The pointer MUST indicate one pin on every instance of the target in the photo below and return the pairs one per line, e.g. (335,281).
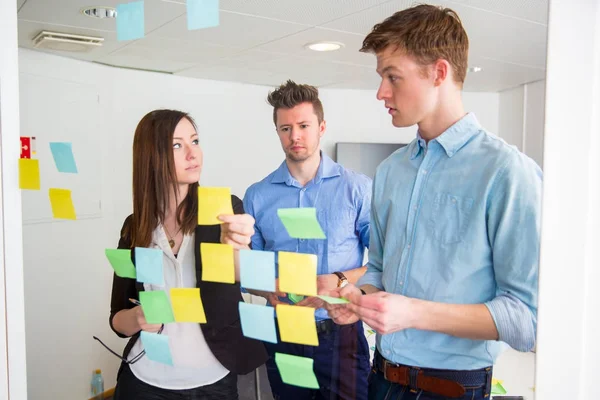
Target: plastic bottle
(97,384)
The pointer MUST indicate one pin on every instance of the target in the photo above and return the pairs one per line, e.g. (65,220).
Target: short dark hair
(425,32)
(291,94)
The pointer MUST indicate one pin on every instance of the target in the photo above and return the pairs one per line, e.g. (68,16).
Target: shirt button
(304,189)
(415,208)
(302,240)
(424,171)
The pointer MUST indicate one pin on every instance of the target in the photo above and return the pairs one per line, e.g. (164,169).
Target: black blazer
(223,331)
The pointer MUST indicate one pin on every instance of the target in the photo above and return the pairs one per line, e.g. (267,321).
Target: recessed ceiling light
(99,12)
(475,69)
(324,46)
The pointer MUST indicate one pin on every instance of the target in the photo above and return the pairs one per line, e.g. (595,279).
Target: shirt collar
(327,169)
(453,138)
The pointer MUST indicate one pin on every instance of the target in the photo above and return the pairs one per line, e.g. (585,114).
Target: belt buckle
(387,364)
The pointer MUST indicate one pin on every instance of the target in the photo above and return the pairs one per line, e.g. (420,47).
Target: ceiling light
(324,46)
(66,41)
(99,12)
(475,69)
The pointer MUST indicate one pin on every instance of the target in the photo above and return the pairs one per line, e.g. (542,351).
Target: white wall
(68,281)
(569,300)
(512,109)
(522,118)
(13,383)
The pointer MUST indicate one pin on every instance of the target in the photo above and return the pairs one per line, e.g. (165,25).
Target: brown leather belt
(401,374)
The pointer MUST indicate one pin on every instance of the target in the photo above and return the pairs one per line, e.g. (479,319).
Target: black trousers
(131,388)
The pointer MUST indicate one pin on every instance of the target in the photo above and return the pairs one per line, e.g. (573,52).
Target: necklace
(171,240)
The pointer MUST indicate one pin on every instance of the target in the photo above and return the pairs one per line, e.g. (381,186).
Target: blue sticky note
(157,347)
(130,21)
(258,322)
(202,14)
(257,270)
(63,157)
(149,266)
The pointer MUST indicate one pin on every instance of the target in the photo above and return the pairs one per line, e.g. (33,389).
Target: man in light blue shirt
(453,260)
(342,198)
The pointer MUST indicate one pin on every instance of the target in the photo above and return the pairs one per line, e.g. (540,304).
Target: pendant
(172,243)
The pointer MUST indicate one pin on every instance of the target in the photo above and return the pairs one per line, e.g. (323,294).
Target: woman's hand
(237,230)
(142,323)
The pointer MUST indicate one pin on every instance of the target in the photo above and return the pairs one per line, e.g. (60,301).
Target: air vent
(66,42)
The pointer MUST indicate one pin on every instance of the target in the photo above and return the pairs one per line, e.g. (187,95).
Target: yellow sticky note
(187,305)
(29,174)
(212,202)
(297,324)
(217,262)
(298,273)
(62,205)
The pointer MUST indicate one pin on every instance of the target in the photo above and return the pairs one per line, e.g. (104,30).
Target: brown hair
(155,178)
(291,94)
(426,32)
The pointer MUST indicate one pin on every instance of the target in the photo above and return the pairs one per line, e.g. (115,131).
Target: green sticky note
(156,307)
(120,260)
(497,388)
(297,371)
(301,223)
(334,300)
(295,298)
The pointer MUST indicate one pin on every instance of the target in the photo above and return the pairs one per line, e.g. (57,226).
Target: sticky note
(62,204)
(217,262)
(258,322)
(62,152)
(29,174)
(202,14)
(187,305)
(297,324)
(333,300)
(157,347)
(257,270)
(130,21)
(156,307)
(149,265)
(497,388)
(301,223)
(295,298)
(212,202)
(120,260)
(298,273)
(297,371)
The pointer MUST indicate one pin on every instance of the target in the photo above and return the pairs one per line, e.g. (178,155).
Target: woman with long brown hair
(167,162)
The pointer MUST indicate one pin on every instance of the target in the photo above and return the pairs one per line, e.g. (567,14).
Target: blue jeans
(477,385)
(341,365)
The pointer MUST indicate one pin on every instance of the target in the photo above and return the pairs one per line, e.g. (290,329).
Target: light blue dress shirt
(343,202)
(457,221)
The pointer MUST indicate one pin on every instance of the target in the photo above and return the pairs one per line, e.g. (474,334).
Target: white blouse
(194,364)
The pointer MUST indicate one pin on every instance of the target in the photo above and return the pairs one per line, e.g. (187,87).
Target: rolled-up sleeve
(513,224)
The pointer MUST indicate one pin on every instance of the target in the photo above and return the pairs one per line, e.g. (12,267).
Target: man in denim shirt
(453,260)
(342,198)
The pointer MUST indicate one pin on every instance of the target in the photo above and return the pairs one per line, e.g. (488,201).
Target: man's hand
(271,297)
(325,284)
(384,312)
(237,230)
(341,314)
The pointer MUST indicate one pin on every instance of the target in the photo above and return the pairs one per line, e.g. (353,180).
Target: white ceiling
(261,41)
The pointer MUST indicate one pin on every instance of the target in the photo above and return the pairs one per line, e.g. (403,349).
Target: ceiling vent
(66,42)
